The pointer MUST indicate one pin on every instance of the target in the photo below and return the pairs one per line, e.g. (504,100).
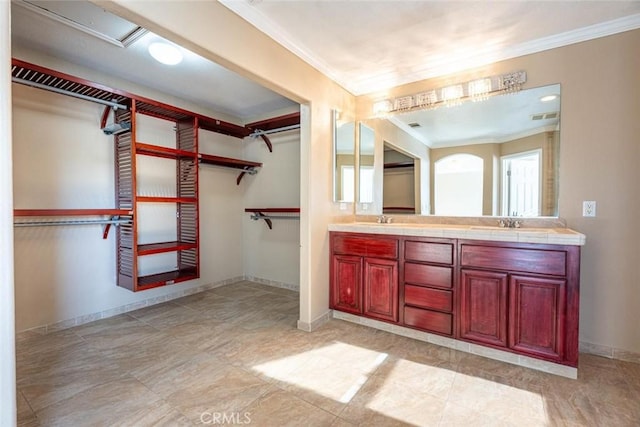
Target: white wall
(398,188)
(221,210)
(7,318)
(273,254)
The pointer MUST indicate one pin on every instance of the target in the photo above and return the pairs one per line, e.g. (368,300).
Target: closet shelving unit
(127,150)
(125,108)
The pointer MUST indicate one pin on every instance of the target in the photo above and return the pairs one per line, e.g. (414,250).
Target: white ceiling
(196,79)
(369,46)
(366,46)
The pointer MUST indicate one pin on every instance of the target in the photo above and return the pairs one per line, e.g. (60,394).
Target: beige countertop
(553,236)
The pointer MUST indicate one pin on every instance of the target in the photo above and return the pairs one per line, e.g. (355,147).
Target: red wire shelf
(273,210)
(154,199)
(158,248)
(164,152)
(228,162)
(166,278)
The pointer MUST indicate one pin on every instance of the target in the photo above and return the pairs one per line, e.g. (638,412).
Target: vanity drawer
(428,320)
(514,259)
(429,275)
(436,299)
(365,246)
(441,253)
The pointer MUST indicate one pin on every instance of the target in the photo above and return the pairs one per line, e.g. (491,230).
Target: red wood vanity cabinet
(518,297)
(364,275)
(427,283)
(521,297)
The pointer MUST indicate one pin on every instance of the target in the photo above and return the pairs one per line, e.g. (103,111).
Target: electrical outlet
(589,208)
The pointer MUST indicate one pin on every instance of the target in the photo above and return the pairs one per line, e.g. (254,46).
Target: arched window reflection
(458,185)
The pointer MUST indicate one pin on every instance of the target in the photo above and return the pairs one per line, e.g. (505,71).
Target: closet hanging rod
(54,223)
(256,217)
(270,131)
(111,104)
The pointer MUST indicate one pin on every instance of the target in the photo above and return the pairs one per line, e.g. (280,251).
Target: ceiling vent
(414,125)
(546,116)
(88,18)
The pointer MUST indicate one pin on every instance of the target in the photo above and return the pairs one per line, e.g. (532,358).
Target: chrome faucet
(509,223)
(384,219)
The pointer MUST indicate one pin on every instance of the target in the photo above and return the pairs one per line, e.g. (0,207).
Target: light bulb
(165,53)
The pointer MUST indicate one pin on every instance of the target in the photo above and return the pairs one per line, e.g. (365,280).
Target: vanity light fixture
(479,89)
(548,98)
(475,90)
(512,82)
(452,95)
(165,53)
(403,103)
(426,99)
(381,108)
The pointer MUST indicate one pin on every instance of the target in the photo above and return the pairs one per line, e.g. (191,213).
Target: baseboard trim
(315,324)
(504,356)
(86,318)
(609,352)
(274,283)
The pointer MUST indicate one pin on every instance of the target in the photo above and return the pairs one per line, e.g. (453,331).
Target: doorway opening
(521,174)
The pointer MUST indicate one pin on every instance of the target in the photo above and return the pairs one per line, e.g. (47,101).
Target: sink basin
(409,225)
(523,230)
(491,228)
(459,227)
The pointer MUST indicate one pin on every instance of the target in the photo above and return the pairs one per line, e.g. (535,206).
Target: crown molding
(389,78)
(246,11)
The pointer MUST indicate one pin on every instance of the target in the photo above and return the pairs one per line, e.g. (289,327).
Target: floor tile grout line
(27,402)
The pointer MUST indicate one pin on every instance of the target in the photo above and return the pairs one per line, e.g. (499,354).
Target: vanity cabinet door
(537,315)
(346,283)
(381,289)
(483,307)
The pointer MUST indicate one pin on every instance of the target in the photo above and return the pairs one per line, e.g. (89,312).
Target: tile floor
(233,356)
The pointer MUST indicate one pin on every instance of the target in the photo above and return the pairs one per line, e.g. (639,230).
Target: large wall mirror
(366,164)
(496,157)
(344,158)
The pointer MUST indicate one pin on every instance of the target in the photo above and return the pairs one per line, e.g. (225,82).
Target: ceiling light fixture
(165,53)
(475,90)
(548,98)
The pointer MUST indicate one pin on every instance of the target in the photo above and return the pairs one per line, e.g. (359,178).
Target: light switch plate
(589,208)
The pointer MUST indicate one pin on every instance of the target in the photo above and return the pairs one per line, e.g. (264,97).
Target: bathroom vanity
(512,290)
